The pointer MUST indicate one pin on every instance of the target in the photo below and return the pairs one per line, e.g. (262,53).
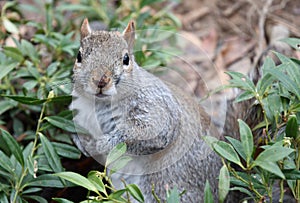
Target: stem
(259,99)
(18,185)
(154,195)
(297,167)
(245,181)
(281,191)
(38,129)
(127,193)
(271,194)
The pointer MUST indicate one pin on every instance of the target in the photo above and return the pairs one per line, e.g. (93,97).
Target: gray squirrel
(117,101)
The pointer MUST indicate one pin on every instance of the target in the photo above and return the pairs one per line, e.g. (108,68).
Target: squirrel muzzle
(103,81)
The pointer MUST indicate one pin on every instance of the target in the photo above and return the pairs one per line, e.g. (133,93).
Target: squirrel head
(104,58)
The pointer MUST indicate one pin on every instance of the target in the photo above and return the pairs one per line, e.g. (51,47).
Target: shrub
(260,169)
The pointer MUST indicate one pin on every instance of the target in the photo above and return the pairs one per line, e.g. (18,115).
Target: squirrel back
(117,101)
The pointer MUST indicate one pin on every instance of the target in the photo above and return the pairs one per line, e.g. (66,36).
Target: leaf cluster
(260,168)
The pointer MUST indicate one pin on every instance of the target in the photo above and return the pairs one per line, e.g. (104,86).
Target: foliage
(256,171)
(35,84)
(102,192)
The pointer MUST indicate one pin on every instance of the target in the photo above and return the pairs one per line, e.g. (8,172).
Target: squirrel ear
(85,28)
(129,35)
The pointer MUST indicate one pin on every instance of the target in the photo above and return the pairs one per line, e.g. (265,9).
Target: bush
(257,171)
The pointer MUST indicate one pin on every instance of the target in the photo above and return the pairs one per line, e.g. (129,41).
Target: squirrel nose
(103,81)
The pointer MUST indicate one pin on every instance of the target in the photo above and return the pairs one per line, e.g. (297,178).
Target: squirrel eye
(126,59)
(79,57)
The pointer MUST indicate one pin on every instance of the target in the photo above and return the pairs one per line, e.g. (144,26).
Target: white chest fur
(86,114)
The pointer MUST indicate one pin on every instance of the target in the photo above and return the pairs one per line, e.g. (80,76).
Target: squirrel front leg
(94,146)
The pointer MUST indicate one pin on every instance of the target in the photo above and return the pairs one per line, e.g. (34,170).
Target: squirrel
(117,101)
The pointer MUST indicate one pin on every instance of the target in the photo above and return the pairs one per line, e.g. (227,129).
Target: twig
(261,25)
(279,6)
(233,8)
(154,195)
(127,193)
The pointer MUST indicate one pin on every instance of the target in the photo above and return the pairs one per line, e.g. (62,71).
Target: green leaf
(96,201)
(13,146)
(43,164)
(273,106)
(271,167)
(246,140)
(52,157)
(237,182)
(292,174)
(33,71)
(224,183)
(117,194)
(243,190)
(295,107)
(208,196)
(260,125)
(119,164)
(116,153)
(268,64)
(29,50)
(273,154)
(226,151)
(268,158)
(5,163)
(244,96)
(62,123)
(6,105)
(29,160)
(66,150)
(96,179)
(73,7)
(52,68)
(8,4)
(291,66)
(65,98)
(292,185)
(264,83)
(4,188)
(173,196)
(9,26)
(6,68)
(293,42)
(292,127)
(241,81)
(62,200)
(77,179)
(210,140)
(254,179)
(135,192)
(148,2)
(14,53)
(29,85)
(31,190)
(237,145)
(286,81)
(3,198)
(47,180)
(25,100)
(36,198)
